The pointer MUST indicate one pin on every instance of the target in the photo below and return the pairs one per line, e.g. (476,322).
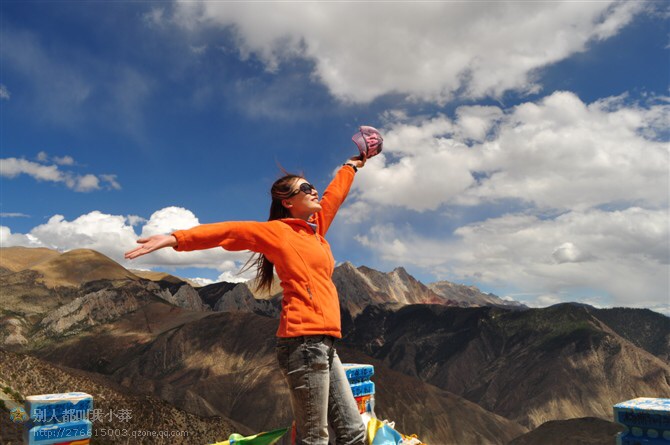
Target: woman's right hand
(151,244)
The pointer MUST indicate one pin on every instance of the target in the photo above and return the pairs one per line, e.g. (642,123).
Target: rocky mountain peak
(363,286)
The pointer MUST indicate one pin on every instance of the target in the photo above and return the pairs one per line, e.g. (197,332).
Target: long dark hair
(281,189)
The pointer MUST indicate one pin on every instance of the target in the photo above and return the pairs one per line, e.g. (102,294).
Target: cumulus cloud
(9,239)
(10,168)
(113,235)
(431,51)
(559,153)
(621,254)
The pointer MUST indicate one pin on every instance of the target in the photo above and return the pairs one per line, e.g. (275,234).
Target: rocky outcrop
(361,287)
(89,310)
(13,332)
(34,315)
(212,293)
(241,299)
(470,296)
(180,294)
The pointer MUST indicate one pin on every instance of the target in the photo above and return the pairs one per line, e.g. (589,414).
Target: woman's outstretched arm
(262,237)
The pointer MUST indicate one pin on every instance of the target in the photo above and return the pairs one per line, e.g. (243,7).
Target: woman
(292,241)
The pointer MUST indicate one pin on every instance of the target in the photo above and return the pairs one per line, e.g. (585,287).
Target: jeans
(320,392)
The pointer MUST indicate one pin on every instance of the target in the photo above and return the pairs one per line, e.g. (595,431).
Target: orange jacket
(302,258)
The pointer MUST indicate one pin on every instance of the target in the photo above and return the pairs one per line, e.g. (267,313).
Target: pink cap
(369,141)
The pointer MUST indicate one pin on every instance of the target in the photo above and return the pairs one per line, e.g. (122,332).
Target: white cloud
(111,181)
(568,253)
(559,153)
(86,183)
(4,93)
(547,300)
(9,239)
(13,215)
(63,160)
(428,50)
(169,219)
(202,281)
(12,167)
(622,254)
(232,276)
(590,183)
(135,220)
(113,235)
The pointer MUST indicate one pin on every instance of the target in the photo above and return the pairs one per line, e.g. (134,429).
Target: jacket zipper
(322,248)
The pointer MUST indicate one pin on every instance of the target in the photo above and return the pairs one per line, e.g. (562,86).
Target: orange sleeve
(238,235)
(333,197)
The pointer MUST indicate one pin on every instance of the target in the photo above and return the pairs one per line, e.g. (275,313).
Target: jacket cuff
(181,240)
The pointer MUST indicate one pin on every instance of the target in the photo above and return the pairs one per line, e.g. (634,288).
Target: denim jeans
(320,392)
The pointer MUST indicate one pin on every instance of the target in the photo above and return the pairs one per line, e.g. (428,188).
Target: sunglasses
(306,188)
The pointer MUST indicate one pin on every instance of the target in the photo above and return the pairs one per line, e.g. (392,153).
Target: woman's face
(305,201)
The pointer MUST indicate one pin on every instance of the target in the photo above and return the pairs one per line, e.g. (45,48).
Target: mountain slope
(529,366)
(32,314)
(582,431)
(17,258)
(469,296)
(224,364)
(361,287)
(79,266)
(644,328)
(30,376)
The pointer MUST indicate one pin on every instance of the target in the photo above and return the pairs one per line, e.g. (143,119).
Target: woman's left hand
(358,161)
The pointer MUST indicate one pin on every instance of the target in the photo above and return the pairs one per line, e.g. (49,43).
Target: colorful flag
(266,438)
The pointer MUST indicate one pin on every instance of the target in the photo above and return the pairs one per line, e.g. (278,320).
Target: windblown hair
(281,189)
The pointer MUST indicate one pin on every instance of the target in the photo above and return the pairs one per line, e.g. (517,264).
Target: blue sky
(526,143)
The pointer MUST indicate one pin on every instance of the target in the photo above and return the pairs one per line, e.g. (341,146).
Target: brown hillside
(529,366)
(156,276)
(79,266)
(27,375)
(582,431)
(224,364)
(19,258)
(162,276)
(23,293)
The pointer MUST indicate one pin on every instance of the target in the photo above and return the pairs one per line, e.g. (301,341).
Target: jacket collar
(297,222)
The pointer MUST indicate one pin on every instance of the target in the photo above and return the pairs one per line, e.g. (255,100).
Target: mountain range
(452,364)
